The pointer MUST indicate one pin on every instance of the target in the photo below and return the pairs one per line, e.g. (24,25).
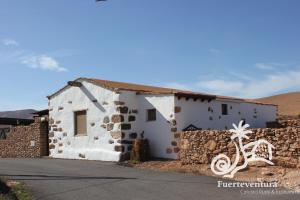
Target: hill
(288,103)
(21,114)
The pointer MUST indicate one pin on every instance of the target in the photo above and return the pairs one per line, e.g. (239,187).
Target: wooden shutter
(224,109)
(80,123)
(151,115)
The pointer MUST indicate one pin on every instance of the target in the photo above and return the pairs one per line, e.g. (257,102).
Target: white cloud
(43,62)
(32,59)
(269,66)
(221,86)
(10,42)
(270,84)
(214,51)
(251,87)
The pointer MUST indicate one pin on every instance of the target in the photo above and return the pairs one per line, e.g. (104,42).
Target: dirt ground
(286,177)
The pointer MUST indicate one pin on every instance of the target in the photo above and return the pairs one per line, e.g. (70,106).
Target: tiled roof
(145,89)
(141,88)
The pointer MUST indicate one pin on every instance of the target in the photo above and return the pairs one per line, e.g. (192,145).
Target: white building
(98,120)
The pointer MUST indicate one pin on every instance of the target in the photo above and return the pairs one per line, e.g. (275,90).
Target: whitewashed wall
(95,145)
(198,114)
(158,132)
(99,144)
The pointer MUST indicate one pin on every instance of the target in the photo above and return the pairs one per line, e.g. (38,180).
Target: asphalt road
(92,180)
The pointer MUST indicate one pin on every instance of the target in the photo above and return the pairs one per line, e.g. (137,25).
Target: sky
(245,49)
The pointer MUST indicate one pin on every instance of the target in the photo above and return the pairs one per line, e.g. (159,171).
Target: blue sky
(238,48)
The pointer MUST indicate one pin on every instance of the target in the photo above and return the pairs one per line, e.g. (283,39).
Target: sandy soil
(286,177)
(288,104)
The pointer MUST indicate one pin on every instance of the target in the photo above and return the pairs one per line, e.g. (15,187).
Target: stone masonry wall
(198,147)
(26,141)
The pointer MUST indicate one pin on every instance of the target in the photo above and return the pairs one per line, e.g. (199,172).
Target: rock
(176,149)
(173,122)
(133,135)
(211,145)
(106,120)
(135,111)
(131,118)
(129,147)
(111,141)
(51,146)
(119,148)
(177,109)
(109,126)
(125,126)
(184,144)
(51,134)
(116,134)
(119,103)
(81,155)
(126,142)
(51,121)
(174,129)
(174,143)
(169,150)
(266,172)
(117,118)
(122,109)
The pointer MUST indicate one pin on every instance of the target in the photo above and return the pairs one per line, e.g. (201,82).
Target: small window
(244,122)
(80,122)
(151,115)
(224,109)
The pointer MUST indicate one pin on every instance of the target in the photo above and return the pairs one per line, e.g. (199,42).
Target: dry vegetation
(12,190)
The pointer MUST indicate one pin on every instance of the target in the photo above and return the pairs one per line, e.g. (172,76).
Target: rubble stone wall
(26,141)
(199,147)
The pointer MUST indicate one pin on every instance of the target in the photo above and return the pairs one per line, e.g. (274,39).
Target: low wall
(198,147)
(26,141)
(290,123)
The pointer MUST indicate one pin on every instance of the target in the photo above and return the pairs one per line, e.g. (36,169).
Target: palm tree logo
(221,164)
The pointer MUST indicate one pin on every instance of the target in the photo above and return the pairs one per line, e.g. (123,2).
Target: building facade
(98,120)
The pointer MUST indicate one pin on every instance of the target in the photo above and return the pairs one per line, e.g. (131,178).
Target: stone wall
(26,141)
(290,123)
(198,147)
(283,123)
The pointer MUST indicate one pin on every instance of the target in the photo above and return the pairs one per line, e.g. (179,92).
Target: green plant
(13,191)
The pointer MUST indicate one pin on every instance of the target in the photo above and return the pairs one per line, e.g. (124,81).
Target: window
(244,121)
(80,122)
(151,115)
(224,109)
